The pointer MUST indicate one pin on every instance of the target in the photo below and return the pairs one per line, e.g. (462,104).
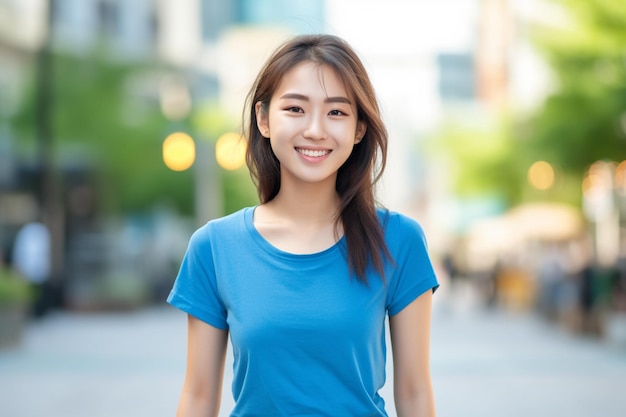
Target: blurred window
(108,18)
(456,77)
(55,10)
(304,16)
(216,16)
(154,27)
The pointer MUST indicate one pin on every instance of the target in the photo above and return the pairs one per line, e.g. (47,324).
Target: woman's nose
(315,129)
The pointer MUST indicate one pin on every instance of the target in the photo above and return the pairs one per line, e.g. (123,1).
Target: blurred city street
(484,363)
(120,134)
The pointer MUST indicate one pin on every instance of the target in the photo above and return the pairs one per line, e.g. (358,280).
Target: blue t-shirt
(308,339)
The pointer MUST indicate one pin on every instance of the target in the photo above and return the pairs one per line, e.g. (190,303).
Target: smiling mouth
(313,153)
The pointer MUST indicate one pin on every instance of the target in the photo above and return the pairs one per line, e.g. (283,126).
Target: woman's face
(311,124)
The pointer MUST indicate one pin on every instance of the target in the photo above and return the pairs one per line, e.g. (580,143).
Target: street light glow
(179,151)
(541,175)
(230,151)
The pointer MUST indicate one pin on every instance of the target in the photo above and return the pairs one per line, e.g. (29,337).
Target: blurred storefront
(554,259)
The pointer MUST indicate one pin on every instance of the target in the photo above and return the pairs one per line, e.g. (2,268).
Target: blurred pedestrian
(31,259)
(304,280)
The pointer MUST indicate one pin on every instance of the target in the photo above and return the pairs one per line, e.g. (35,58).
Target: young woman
(303,282)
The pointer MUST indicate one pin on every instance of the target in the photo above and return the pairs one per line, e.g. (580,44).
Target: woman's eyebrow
(296,96)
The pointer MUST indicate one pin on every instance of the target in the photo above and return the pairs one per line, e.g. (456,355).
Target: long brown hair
(357,176)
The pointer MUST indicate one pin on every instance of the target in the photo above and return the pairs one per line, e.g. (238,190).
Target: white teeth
(312,153)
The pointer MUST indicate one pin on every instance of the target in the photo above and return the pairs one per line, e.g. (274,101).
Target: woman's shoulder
(221,226)
(400,227)
(395,219)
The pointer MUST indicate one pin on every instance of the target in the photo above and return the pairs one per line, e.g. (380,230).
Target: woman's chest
(306,304)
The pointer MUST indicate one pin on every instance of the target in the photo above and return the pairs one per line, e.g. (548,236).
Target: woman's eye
(294,109)
(336,113)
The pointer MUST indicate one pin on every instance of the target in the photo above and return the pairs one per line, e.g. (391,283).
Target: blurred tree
(584,119)
(480,158)
(104,119)
(238,189)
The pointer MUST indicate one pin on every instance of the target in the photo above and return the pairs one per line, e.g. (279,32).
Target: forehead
(312,78)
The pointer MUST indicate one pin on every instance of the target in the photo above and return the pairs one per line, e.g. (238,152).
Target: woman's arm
(206,353)
(410,339)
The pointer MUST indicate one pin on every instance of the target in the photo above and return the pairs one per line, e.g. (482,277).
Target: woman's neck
(307,204)
(300,219)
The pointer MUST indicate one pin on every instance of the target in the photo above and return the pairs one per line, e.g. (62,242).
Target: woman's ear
(262,121)
(361,128)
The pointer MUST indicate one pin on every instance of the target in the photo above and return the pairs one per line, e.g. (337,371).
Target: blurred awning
(546,221)
(530,222)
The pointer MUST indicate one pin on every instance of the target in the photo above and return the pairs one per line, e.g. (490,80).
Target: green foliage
(14,290)
(238,189)
(481,158)
(584,119)
(106,117)
(211,121)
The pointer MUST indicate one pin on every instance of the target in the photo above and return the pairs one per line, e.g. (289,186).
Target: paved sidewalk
(490,365)
(484,364)
(96,365)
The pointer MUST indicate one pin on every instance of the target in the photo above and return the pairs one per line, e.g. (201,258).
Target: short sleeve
(195,290)
(413,272)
